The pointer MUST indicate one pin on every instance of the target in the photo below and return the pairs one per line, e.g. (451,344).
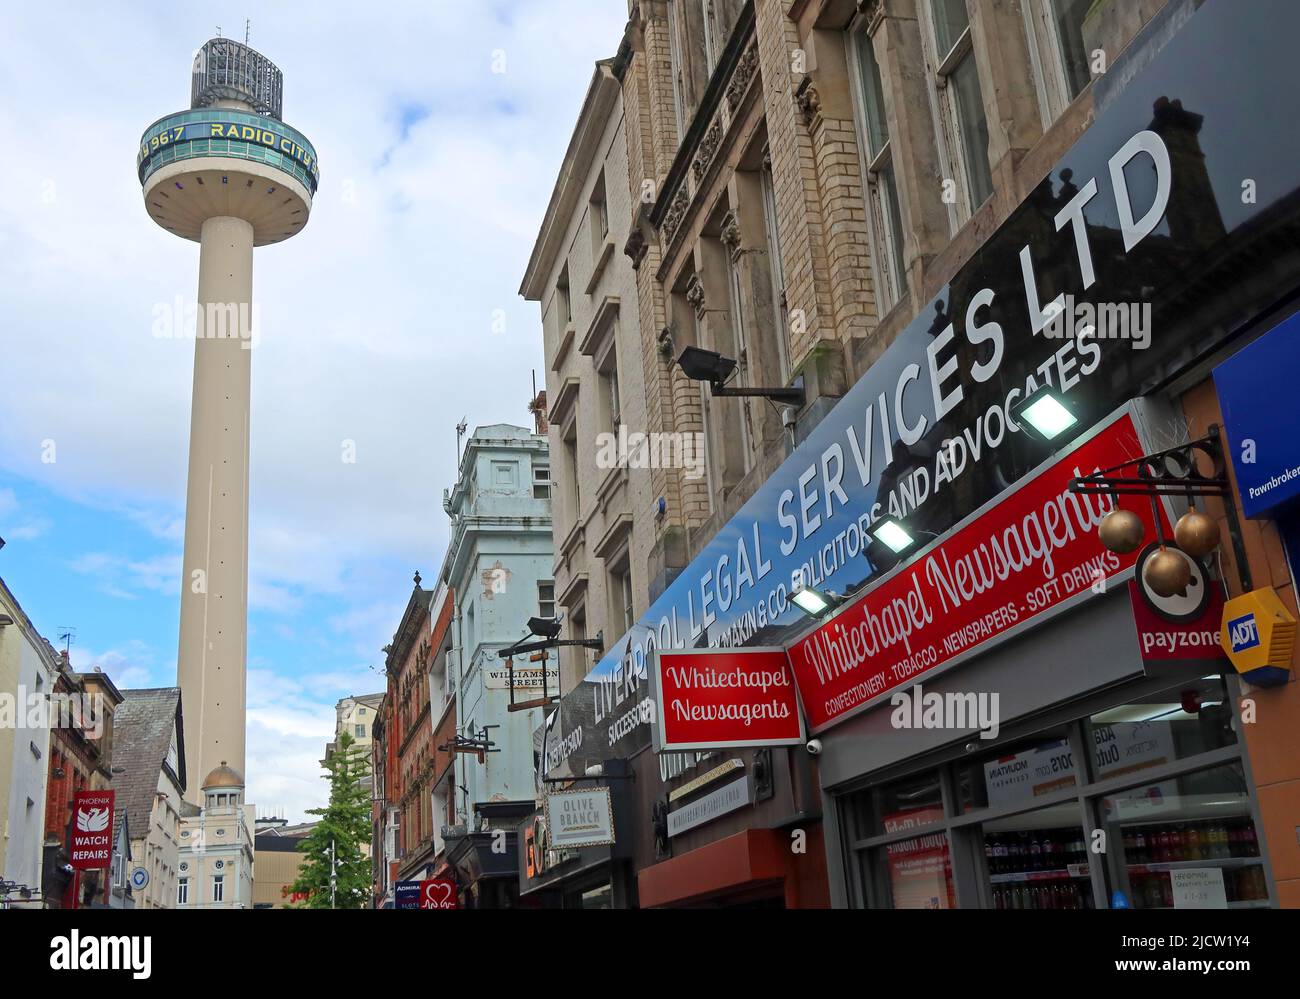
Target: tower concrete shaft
(214,598)
(229,174)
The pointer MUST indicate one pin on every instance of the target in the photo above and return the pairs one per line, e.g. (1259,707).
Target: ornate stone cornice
(808,101)
(636,246)
(873,11)
(744,73)
(731,233)
(676,212)
(695,295)
(708,149)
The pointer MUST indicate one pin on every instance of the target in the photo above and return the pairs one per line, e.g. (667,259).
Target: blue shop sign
(406,895)
(1257,388)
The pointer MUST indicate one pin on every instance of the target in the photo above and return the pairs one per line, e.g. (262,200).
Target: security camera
(814,747)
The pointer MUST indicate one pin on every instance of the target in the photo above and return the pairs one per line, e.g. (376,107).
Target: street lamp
(702,365)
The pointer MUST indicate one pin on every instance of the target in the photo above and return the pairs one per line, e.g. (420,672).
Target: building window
(571,468)
(359,731)
(678,69)
(546,598)
(183,891)
(1058,52)
(777,267)
(218,888)
(599,215)
(541,482)
(884,220)
(613,408)
(563,313)
(964,129)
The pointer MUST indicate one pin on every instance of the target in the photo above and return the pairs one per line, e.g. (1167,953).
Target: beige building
(28,669)
(277,862)
(356,716)
(149,779)
(604,509)
(216,858)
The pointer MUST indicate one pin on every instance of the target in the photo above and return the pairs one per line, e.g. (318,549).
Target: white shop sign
(526,677)
(580,818)
(1199,888)
(717,803)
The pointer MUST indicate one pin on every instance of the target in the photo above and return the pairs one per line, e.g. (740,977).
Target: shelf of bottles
(1152,850)
(1039,869)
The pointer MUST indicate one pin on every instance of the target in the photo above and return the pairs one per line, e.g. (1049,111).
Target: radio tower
(230,175)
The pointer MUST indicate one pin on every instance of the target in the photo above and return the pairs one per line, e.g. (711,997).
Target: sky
(440,128)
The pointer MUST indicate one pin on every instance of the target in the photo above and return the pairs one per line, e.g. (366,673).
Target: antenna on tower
(248,26)
(67,635)
(218,31)
(461,427)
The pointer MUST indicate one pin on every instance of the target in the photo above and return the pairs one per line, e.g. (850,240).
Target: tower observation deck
(229,174)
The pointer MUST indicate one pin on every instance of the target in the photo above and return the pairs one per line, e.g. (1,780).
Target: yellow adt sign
(1258,634)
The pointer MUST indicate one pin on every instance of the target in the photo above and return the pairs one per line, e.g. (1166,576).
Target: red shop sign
(724,698)
(92,830)
(439,893)
(1036,549)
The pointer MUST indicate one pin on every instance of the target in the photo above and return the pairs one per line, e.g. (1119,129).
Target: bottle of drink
(1139,847)
(1049,852)
(1162,845)
(1035,853)
(1220,841)
(1250,843)
(1192,842)
(1176,843)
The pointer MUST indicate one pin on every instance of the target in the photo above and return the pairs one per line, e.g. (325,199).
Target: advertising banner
(406,895)
(580,818)
(1256,389)
(1164,641)
(92,830)
(439,893)
(724,699)
(1029,553)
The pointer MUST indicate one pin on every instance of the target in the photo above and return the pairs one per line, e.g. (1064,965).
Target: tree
(344,827)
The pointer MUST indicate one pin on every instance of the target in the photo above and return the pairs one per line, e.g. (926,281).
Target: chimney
(538,408)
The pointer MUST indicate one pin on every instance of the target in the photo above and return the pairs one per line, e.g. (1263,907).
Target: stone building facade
(801,175)
(804,178)
(595,392)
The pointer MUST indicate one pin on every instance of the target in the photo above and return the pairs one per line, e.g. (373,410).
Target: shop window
(1017,773)
(1186,842)
(1038,860)
(914,873)
(956,90)
(1161,727)
(899,806)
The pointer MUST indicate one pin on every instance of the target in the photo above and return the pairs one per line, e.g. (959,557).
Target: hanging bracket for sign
(537,652)
(477,743)
(1174,472)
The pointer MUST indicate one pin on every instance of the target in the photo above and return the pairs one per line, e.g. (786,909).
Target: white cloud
(435,173)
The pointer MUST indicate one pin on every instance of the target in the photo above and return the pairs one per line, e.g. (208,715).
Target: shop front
(1011,718)
(576,849)
(1000,712)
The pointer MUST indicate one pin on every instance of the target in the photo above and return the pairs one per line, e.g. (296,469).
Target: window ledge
(602,259)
